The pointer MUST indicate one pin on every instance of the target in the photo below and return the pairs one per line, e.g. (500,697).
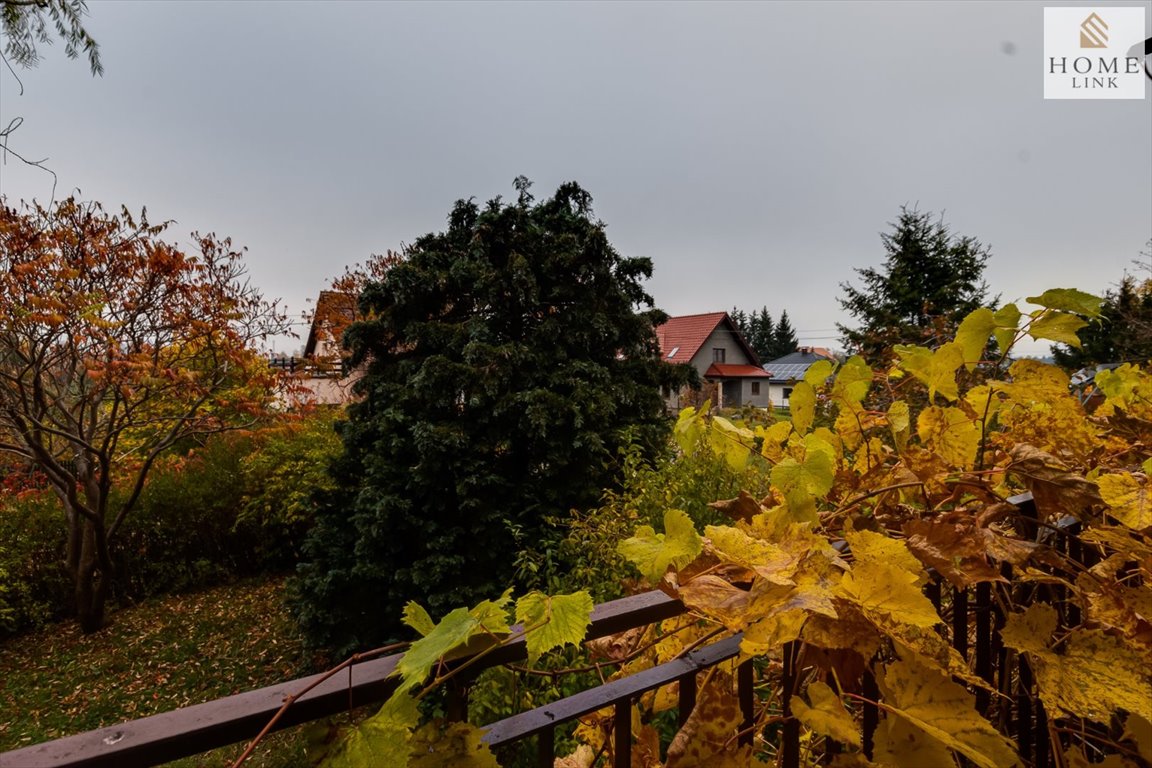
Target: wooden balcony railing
(972,620)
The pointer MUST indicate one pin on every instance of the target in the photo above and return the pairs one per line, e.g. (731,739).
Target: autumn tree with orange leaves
(114,346)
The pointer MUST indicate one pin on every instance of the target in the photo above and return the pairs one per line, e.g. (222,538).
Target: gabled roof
(681,337)
(728,371)
(332,308)
(793,366)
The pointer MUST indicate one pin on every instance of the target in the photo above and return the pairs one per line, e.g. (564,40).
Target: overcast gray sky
(754,151)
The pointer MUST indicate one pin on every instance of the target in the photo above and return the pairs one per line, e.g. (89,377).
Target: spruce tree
(930,280)
(783,338)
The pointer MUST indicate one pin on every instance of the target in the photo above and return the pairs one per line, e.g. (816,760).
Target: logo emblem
(1093,32)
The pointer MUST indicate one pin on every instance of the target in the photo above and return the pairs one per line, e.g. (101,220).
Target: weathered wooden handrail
(192,730)
(201,727)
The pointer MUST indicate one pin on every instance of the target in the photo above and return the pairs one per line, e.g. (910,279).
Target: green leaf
(382,739)
(450,745)
(1056,326)
(1007,323)
(452,633)
(416,617)
(557,620)
(812,477)
(973,333)
(653,552)
(1069,300)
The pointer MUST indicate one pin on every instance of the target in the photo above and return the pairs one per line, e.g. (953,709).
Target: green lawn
(163,654)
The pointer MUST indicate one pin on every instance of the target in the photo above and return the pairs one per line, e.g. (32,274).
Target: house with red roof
(713,345)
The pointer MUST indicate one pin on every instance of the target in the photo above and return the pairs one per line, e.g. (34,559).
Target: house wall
(776,392)
(721,338)
(760,400)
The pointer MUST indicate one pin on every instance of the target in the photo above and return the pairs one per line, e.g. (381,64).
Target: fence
(973,620)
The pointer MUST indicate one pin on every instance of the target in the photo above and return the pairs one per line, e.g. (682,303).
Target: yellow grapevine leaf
(818,373)
(653,552)
(1127,496)
(559,619)
(709,734)
(452,745)
(928,699)
(802,403)
(1032,630)
(1069,300)
(732,442)
(1139,731)
(950,434)
(884,593)
(852,382)
(1120,384)
(1056,326)
(718,599)
(1075,758)
(773,438)
(883,550)
(768,635)
(1007,322)
(899,421)
(973,333)
(768,559)
(937,370)
(826,715)
(690,427)
(1094,676)
(900,744)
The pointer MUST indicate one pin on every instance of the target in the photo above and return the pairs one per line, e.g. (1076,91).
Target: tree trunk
(90,568)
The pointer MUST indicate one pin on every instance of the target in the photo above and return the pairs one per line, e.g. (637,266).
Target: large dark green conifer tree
(931,279)
(506,362)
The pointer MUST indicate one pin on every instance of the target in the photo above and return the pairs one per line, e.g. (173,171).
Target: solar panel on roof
(789,371)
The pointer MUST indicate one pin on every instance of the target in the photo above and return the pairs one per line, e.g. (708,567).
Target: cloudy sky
(754,151)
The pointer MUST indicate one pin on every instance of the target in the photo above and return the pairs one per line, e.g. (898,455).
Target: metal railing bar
(532,722)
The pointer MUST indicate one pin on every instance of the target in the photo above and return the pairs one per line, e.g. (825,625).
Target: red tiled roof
(681,337)
(726,371)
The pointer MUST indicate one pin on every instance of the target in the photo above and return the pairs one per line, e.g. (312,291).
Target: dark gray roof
(792,366)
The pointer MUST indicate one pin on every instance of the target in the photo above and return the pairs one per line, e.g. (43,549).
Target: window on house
(718,354)
(787,392)
(755,388)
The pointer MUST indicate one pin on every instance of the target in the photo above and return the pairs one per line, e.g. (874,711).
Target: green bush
(234,506)
(582,552)
(34,588)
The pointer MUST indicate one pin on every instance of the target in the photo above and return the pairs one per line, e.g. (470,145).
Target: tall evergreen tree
(783,338)
(1122,333)
(506,361)
(931,279)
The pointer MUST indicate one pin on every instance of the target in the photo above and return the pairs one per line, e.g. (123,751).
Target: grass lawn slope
(165,653)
